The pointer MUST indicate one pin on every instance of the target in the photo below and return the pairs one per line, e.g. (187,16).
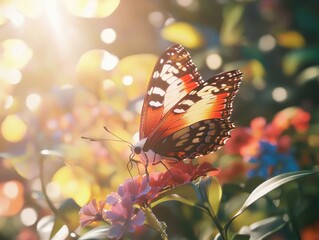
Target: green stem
(50,204)
(228,225)
(217,223)
(292,219)
(155,223)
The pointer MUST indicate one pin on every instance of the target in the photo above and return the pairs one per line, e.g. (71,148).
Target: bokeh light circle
(214,61)
(33,101)
(70,180)
(279,94)
(91,9)
(28,216)
(11,198)
(15,54)
(108,35)
(183,33)
(13,128)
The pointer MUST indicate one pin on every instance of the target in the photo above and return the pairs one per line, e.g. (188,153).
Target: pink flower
(124,214)
(92,212)
(137,187)
(134,189)
(142,189)
(124,218)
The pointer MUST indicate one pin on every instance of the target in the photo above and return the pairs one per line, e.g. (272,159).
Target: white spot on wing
(155,104)
(156,74)
(158,91)
(175,70)
(150,91)
(188,102)
(171,80)
(177,110)
(165,69)
(166,76)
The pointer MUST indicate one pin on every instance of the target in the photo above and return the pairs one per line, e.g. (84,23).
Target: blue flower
(270,162)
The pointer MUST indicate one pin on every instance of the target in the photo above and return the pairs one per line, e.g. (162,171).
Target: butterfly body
(184,116)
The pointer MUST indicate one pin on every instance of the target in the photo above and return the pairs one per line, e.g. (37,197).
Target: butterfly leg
(129,168)
(146,171)
(130,163)
(166,168)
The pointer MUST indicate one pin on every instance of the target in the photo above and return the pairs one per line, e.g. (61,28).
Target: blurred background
(68,68)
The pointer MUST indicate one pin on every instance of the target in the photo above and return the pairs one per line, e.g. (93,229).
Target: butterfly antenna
(101,139)
(119,138)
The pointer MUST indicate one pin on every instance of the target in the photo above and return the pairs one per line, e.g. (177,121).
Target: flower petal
(139,218)
(113,198)
(116,231)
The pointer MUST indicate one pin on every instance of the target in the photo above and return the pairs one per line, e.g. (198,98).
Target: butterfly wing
(209,105)
(198,139)
(173,77)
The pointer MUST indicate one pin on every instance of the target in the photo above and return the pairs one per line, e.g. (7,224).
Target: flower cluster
(267,146)
(271,162)
(123,209)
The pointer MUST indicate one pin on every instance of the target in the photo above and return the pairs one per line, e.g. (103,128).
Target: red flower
(258,126)
(300,120)
(181,172)
(284,144)
(311,232)
(92,212)
(240,137)
(292,116)
(282,118)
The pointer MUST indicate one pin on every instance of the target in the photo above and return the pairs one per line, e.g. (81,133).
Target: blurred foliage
(68,68)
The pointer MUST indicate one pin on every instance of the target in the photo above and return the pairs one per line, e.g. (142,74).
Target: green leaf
(211,192)
(186,194)
(96,233)
(68,216)
(234,203)
(268,186)
(308,74)
(241,237)
(264,228)
(231,29)
(295,60)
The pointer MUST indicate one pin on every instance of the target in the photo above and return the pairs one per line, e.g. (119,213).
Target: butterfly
(183,116)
